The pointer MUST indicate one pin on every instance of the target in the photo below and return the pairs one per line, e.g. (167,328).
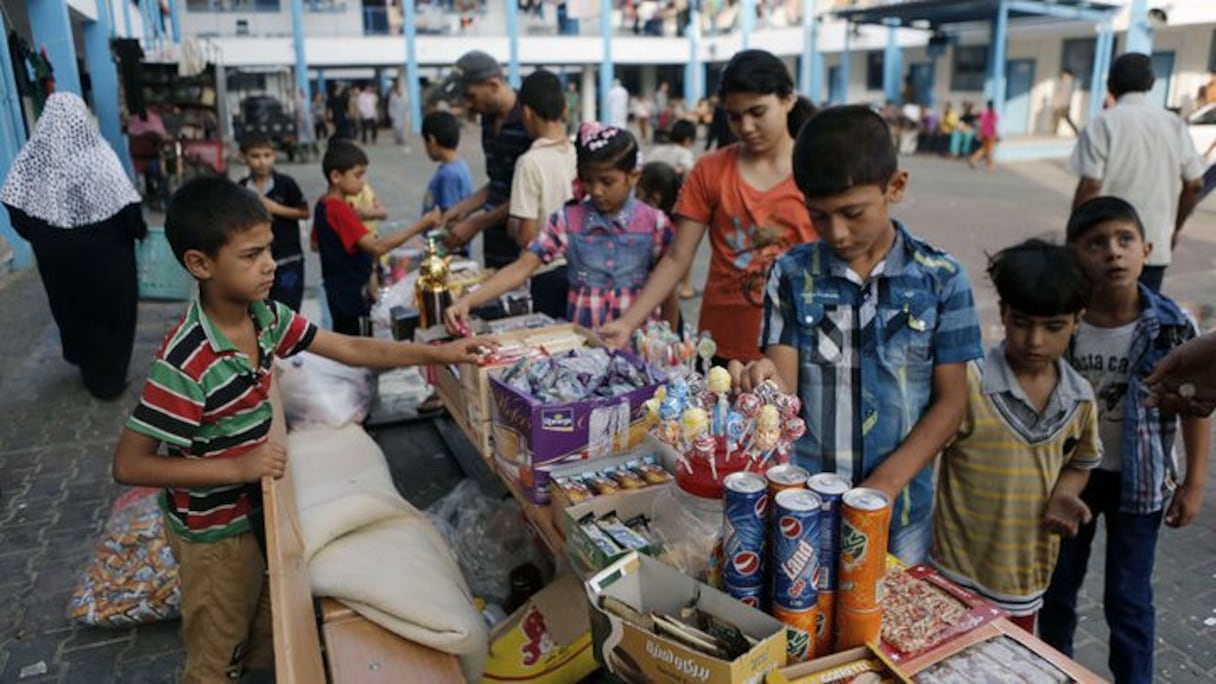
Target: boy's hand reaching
(467,350)
(1185,506)
(432,218)
(748,378)
(268,459)
(1065,513)
(614,334)
(456,318)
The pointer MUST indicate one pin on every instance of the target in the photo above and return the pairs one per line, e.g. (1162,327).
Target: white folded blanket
(368,547)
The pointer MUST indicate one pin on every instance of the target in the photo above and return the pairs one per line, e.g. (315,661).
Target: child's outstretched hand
(1185,506)
(1065,514)
(268,459)
(615,334)
(748,378)
(432,218)
(467,350)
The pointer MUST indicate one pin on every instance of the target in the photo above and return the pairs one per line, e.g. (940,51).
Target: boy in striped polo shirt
(1011,482)
(207,400)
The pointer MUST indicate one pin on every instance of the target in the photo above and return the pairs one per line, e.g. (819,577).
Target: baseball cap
(473,66)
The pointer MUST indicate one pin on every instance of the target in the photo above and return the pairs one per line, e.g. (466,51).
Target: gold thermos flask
(431,290)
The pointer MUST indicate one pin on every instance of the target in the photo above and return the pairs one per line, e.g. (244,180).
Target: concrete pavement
(56,441)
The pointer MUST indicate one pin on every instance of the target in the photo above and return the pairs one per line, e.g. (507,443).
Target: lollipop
(764,442)
(651,407)
(719,383)
(789,405)
(769,419)
(660,393)
(694,423)
(668,432)
(748,404)
(678,388)
(767,392)
(736,431)
(670,408)
(718,380)
(793,430)
(704,447)
(706,348)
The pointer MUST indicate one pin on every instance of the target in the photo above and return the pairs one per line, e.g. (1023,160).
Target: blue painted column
(844,64)
(811,76)
(175,22)
(995,86)
(606,67)
(413,91)
(892,63)
(693,70)
(12,137)
(1139,30)
(513,43)
(1097,83)
(100,63)
(747,21)
(52,29)
(297,44)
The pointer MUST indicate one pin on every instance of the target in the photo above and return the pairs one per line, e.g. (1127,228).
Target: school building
(928,51)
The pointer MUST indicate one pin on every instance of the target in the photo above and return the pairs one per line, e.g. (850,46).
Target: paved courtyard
(56,441)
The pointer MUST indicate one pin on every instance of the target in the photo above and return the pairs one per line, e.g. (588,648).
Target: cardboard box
(996,629)
(531,438)
(838,667)
(557,495)
(636,656)
(547,641)
(586,558)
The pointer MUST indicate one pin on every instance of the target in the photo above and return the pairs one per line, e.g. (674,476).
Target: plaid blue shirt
(866,352)
(1150,464)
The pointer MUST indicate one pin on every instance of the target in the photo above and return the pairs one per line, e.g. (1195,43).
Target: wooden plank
(362,652)
(297,647)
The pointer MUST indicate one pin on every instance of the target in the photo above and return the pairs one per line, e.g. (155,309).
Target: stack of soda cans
(783,550)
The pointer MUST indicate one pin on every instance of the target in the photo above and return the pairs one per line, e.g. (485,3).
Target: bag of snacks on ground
(132,578)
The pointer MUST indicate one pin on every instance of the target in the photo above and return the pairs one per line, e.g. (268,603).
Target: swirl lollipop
(789,405)
(670,408)
(767,392)
(704,447)
(793,429)
(748,404)
(736,431)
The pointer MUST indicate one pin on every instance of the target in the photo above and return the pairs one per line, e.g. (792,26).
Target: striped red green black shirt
(206,399)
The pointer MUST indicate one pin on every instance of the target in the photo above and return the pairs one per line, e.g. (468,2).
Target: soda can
(799,632)
(830,487)
(786,476)
(751,596)
(795,549)
(859,627)
(865,516)
(744,529)
(825,628)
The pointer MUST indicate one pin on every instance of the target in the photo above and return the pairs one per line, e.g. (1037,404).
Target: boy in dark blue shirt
(283,199)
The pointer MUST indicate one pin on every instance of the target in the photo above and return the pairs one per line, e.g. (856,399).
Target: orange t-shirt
(747,230)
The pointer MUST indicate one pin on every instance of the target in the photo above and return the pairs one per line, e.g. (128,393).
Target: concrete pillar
(513,43)
(694,72)
(1097,83)
(995,86)
(1139,30)
(52,29)
(892,64)
(844,65)
(747,21)
(12,137)
(413,89)
(175,22)
(297,44)
(100,63)
(810,77)
(606,66)
(588,94)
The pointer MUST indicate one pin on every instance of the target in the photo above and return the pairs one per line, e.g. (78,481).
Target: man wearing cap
(478,78)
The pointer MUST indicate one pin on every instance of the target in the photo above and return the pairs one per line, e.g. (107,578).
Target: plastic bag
(132,578)
(489,537)
(318,392)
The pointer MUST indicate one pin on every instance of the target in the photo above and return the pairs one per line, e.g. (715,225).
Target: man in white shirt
(618,105)
(368,101)
(1143,154)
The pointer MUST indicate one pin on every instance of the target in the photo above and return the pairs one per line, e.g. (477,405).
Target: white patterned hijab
(67,174)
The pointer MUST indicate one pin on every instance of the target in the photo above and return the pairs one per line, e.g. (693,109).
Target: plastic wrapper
(132,578)
(576,375)
(689,528)
(400,293)
(489,537)
(318,392)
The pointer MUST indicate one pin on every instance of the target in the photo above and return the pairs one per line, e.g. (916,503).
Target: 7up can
(864,519)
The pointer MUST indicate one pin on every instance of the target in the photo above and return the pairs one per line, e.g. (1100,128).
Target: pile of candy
(635,474)
(675,354)
(578,374)
(693,414)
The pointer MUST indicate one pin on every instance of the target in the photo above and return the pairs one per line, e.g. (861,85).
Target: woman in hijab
(68,195)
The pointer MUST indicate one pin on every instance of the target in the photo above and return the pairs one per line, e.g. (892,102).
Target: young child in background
(1011,482)
(348,248)
(678,152)
(207,400)
(872,326)
(451,181)
(1127,328)
(543,181)
(368,208)
(610,239)
(283,199)
(659,186)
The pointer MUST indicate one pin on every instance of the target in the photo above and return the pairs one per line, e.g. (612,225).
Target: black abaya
(91,282)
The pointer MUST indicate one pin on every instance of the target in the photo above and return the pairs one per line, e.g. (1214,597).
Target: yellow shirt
(363,201)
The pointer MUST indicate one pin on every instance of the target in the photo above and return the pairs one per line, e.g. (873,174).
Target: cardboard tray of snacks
(844,666)
(636,655)
(561,498)
(588,554)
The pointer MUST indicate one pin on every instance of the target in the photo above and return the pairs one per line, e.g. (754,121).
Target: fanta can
(865,516)
(799,632)
(859,627)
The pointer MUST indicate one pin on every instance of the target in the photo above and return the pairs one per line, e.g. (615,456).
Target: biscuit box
(586,557)
(531,438)
(636,655)
(546,641)
(844,666)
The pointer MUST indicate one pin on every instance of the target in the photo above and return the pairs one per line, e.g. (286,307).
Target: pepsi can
(744,529)
(752,596)
(830,487)
(796,550)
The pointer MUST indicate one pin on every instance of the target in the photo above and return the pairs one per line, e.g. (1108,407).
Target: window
(970,68)
(1078,57)
(874,64)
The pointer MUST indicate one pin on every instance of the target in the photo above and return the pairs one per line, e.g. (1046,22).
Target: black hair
(342,156)
(1132,72)
(762,72)
(841,148)
(1100,210)
(660,178)
(255,141)
(206,210)
(1038,278)
(619,151)
(542,92)
(682,130)
(444,127)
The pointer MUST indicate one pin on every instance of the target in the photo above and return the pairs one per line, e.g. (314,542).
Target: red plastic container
(701,481)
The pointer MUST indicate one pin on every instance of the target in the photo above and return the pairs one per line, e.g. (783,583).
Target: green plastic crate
(160,275)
